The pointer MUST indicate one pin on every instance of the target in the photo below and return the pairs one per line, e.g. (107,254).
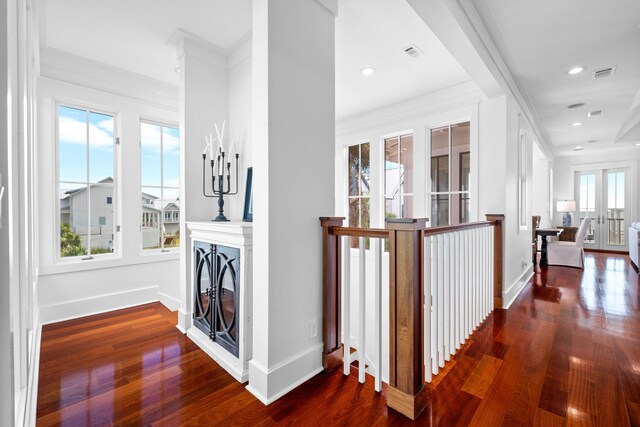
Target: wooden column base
(333,359)
(408,405)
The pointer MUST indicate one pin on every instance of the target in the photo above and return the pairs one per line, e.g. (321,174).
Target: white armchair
(570,254)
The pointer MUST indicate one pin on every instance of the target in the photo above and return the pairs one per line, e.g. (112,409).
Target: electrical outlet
(313,329)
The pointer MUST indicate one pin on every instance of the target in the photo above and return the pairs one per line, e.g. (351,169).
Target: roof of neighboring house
(149,208)
(171,206)
(80,190)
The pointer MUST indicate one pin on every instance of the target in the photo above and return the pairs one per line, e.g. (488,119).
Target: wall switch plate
(313,329)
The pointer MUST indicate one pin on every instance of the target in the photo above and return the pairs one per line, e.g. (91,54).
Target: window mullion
(88,183)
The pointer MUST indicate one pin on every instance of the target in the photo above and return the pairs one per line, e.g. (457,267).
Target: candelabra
(219,166)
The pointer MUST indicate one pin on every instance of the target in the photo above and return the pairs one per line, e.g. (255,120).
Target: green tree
(70,242)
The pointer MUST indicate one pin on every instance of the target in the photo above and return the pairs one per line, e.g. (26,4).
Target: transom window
(450,174)
(160,171)
(85,182)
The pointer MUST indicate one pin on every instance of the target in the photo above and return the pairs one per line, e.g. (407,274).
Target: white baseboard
(168,301)
(32,379)
(270,384)
(97,304)
(510,294)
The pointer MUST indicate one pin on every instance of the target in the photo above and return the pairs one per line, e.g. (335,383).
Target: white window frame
(401,194)
(116,196)
(161,219)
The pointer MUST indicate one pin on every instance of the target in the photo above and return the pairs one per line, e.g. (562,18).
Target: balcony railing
(442,283)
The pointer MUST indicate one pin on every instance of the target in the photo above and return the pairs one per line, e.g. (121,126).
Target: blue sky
(73,150)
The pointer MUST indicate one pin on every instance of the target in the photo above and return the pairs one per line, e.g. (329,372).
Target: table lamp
(566,206)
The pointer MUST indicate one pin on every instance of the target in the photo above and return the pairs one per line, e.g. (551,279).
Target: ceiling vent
(595,113)
(578,105)
(412,51)
(592,141)
(603,73)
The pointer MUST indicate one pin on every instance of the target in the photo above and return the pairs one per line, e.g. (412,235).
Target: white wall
(563,175)
(73,288)
(240,120)
(540,191)
(293,101)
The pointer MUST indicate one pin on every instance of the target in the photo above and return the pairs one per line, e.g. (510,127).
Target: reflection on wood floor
(566,352)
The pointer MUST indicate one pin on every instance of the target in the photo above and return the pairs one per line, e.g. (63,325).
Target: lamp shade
(566,205)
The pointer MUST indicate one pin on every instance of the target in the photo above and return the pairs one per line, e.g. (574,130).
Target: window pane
(406,163)
(72,139)
(460,152)
(365,168)
(171,218)
(150,158)
(354,170)
(171,157)
(440,151)
(439,210)
(73,220)
(151,224)
(100,147)
(101,235)
(392,166)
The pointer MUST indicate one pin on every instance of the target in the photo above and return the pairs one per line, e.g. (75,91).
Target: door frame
(632,166)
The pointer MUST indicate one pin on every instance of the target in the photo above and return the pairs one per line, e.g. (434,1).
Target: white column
(204,101)
(294,160)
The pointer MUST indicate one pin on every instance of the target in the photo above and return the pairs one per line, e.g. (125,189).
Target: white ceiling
(133,35)
(541,40)
(374,33)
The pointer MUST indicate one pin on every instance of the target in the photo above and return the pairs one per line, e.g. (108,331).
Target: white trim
(173,304)
(225,359)
(270,384)
(108,262)
(510,294)
(34,374)
(97,304)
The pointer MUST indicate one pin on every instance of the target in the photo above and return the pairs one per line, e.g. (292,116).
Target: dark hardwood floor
(567,352)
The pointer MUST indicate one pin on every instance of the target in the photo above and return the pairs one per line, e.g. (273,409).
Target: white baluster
(491,261)
(435,257)
(456,304)
(361,311)
(447,297)
(467,267)
(427,308)
(377,276)
(346,301)
(441,316)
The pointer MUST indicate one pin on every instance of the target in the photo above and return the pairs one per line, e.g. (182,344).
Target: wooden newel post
(498,242)
(407,393)
(331,288)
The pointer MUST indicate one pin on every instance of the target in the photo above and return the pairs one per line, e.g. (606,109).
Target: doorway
(603,195)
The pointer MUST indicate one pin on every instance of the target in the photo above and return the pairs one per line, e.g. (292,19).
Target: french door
(603,195)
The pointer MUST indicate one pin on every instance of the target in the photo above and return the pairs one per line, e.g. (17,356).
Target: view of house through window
(359,190)
(398,177)
(160,171)
(450,175)
(85,185)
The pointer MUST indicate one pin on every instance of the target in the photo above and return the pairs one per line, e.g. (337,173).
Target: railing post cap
(331,221)
(494,217)
(406,223)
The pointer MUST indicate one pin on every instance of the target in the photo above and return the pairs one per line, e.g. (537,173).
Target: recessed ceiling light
(578,148)
(578,105)
(595,113)
(576,70)
(576,124)
(367,71)
(638,144)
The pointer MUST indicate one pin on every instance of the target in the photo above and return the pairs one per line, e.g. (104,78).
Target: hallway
(566,352)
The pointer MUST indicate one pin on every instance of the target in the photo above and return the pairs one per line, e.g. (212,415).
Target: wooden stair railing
(407,392)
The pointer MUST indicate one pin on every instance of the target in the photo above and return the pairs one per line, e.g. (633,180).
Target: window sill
(112,261)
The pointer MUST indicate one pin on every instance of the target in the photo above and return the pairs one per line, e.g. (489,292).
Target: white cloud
(150,139)
(75,132)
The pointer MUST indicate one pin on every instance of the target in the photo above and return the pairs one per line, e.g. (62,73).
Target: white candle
(206,146)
